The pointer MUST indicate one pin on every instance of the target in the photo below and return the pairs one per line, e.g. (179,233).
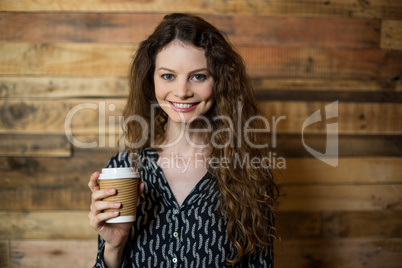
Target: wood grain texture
(76,27)
(53,253)
(341,197)
(291,145)
(349,170)
(35,172)
(319,8)
(324,85)
(345,253)
(295,198)
(391,34)
(92,116)
(63,87)
(296,225)
(66,225)
(58,172)
(46,198)
(241,29)
(5,253)
(66,59)
(324,8)
(49,225)
(144,6)
(353,118)
(262,62)
(35,145)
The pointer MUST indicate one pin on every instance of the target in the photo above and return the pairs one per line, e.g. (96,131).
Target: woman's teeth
(182,105)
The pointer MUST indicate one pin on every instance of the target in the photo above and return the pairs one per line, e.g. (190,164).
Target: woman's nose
(183,90)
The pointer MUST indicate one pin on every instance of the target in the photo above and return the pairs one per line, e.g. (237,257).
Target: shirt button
(174,260)
(175,234)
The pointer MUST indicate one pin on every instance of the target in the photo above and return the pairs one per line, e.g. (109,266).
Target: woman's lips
(183,107)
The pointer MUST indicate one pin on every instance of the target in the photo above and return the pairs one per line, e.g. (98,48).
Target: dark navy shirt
(166,235)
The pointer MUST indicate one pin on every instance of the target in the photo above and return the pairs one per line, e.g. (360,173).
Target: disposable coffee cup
(125,181)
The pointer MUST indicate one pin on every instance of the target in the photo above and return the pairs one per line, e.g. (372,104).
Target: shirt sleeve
(99,258)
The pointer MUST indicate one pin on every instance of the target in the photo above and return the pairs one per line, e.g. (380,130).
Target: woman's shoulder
(121,159)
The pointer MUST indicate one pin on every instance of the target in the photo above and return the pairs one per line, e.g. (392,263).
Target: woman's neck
(182,140)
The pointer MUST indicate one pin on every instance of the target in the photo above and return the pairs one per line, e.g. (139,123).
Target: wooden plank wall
(56,56)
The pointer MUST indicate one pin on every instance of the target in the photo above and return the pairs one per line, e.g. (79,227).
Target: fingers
(100,194)
(97,215)
(93,182)
(141,188)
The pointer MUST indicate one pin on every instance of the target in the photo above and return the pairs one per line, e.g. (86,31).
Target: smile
(183,107)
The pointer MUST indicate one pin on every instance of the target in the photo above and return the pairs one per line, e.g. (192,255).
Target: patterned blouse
(166,235)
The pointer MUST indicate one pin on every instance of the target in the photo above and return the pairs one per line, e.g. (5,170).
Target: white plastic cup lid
(118,173)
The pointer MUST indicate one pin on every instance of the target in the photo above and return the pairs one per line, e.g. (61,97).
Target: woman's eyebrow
(194,71)
(166,69)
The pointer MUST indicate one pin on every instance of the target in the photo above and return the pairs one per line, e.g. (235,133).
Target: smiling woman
(199,207)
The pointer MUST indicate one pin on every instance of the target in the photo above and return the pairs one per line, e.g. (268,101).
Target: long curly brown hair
(248,193)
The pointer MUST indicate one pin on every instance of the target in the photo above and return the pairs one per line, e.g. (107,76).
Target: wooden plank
(263,62)
(78,59)
(5,253)
(63,87)
(295,198)
(317,85)
(92,116)
(320,8)
(344,96)
(75,171)
(46,198)
(338,224)
(31,172)
(349,170)
(252,30)
(76,27)
(241,30)
(52,225)
(291,145)
(290,224)
(353,118)
(294,253)
(53,253)
(66,59)
(35,145)
(360,224)
(58,117)
(391,34)
(345,253)
(149,6)
(340,197)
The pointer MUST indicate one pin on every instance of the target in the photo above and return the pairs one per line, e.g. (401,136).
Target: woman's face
(183,86)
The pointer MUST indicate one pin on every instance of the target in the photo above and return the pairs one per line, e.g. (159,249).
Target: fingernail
(111,191)
(115,213)
(116,204)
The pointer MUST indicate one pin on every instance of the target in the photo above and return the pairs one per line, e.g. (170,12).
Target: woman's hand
(114,234)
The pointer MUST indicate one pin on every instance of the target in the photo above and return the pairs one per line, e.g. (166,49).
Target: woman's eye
(199,77)
(167,76)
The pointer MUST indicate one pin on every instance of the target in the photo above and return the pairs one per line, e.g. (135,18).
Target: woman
(202,204)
